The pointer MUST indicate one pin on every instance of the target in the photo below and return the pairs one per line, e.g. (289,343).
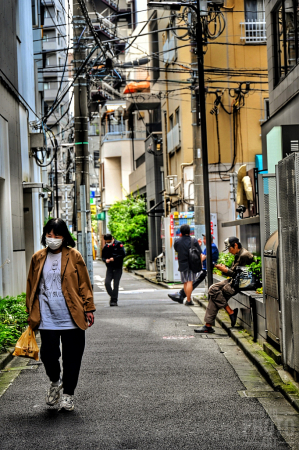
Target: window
(96,157)
(171,122)
(47,61)
(177,116)
(46,86)
(46,37)
(154,43)
(254,11)
(286,38)
(34,13)
(253,30)
(59,41)
(266,109)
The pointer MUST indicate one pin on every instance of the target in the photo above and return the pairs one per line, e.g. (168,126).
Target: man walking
(113,255)
(180,296)
(221,292)
(182,247)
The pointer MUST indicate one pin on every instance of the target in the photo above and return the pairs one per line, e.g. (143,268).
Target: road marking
(178,337)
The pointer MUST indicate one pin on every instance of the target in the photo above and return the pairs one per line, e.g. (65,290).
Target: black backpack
(194,257)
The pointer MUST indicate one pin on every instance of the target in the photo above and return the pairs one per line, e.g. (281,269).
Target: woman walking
(60,305)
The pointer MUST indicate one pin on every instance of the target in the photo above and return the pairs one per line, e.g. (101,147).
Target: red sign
(171,226)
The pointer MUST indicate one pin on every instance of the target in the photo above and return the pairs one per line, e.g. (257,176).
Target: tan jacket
(75,283)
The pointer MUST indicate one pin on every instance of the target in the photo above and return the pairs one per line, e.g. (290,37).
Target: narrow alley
(149,382)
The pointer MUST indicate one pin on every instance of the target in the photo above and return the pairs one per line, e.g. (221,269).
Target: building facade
(21,187)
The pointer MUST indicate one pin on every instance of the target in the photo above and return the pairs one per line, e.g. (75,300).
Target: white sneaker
(53,393)
(67,402)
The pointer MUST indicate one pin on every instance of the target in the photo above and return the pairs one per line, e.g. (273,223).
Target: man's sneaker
(204,329)
(67,402)
(233,317)
(176,297)
(188,303)
(53,393)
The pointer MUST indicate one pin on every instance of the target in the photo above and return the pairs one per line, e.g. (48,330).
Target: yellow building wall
(230,52)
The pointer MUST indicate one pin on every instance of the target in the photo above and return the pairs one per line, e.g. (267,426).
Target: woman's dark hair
(60,229)
(185,229)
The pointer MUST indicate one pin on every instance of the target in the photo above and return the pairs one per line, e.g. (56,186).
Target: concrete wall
(16,62)
(137,179)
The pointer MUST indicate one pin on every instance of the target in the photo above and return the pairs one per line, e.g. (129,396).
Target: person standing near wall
(180,296)
(59,302)
(182,246)
(113,256)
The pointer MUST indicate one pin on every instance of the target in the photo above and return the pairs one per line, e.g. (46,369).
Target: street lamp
(176,6)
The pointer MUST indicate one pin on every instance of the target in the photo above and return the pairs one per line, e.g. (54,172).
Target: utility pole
(56,179)
(201,165)
(81,143)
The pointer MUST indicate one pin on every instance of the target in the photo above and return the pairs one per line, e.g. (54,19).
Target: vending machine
(171,230)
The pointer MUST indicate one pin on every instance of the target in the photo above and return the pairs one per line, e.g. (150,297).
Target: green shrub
(136,262)
(128,224)
(226,258)
(13,319)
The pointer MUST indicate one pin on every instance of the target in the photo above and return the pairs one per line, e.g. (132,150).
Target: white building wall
(6,238)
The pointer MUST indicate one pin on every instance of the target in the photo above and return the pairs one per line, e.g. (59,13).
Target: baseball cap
(230,242)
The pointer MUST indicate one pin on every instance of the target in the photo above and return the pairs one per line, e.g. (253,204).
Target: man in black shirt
(113,255)
(182,247)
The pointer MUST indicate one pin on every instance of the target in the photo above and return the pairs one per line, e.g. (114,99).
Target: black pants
(201,276)
(73,343)
(115,275)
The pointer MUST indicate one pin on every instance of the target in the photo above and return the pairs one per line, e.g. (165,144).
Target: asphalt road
(147,382)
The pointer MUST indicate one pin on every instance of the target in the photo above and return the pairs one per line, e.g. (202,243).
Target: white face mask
(53,243)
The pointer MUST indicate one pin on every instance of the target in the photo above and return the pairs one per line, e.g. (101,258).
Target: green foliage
(256,267)
(94,223)
(136,262)
(226,258)
(13,319)
(128,223)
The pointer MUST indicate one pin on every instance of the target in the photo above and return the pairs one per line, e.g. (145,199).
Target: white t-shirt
(53,308)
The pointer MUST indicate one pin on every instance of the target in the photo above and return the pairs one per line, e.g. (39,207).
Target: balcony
(124,135)
(169,51)
(253,32)
(173,139)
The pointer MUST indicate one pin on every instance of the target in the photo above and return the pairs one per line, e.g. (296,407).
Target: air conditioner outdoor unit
(170,182)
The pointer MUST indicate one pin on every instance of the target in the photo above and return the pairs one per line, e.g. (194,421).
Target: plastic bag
(27,345)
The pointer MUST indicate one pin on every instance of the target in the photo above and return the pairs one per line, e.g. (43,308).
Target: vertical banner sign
(171,229)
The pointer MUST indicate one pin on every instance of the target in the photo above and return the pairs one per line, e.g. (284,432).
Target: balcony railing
(124,135)
(253,32)
(173,138)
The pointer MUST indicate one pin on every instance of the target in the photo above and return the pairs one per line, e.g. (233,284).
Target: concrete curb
(278,378)
(5,358)
(154,281)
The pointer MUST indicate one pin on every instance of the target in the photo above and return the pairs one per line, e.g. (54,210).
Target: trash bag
(26,345)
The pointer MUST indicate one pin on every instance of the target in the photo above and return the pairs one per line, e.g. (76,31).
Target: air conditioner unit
(170,182)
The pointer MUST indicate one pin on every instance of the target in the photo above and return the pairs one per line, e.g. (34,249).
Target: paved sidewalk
(147,383)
